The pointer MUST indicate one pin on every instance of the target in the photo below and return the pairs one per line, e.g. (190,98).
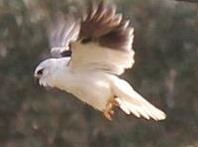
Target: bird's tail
(132,102)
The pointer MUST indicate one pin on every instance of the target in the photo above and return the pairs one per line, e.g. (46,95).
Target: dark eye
(86,40)
(40,72)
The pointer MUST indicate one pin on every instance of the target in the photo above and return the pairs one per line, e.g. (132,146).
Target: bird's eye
(40,72)
(86,40)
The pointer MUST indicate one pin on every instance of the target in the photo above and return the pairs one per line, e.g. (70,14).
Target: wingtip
(159,115)
(142,111)
(162,117)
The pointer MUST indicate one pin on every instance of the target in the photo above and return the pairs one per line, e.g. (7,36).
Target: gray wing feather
(61,32)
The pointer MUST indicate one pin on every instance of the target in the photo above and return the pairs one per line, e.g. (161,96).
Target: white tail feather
(132,102)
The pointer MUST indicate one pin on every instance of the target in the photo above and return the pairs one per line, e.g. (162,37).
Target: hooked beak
(36,79)
(38,74)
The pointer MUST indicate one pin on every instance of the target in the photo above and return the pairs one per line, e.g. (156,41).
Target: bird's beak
(36,79)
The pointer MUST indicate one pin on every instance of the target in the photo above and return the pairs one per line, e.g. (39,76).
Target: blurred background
(165,72)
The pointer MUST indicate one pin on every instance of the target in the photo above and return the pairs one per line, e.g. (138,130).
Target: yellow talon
(108,111)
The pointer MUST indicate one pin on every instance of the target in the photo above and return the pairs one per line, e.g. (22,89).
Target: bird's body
(99,89)
(91,87)
(100,51)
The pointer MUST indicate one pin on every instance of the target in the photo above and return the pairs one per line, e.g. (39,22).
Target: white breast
(91,88)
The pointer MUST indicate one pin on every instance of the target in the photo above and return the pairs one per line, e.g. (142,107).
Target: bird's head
(44,71)
(49,71)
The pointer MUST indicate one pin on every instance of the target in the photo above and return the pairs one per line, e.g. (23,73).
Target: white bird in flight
(88,56)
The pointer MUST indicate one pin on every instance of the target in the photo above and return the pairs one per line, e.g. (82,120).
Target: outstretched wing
(131,102)
(104,43)
(60,33)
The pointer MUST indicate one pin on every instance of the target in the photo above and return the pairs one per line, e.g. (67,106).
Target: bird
(88,56)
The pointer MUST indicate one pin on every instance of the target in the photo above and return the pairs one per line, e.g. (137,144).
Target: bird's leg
(108,111)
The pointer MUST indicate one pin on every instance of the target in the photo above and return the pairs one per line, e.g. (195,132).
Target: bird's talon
(108,112)
(107,115)
(111,112)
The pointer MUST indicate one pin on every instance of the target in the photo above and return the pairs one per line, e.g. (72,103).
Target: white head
(47,71)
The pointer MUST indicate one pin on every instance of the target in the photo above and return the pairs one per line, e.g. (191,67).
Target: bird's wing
(61,32)
(105,41)
(131,102)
